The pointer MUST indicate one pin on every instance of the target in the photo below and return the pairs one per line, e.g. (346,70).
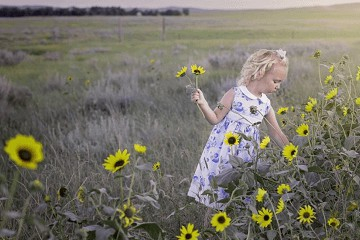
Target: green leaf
(271,234)
(153,229)
(227,176)
(6,232)
(316,169)
(101,233)
(303,168)
(150,200)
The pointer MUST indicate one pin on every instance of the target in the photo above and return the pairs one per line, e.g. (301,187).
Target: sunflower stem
(11,197)
(21,223)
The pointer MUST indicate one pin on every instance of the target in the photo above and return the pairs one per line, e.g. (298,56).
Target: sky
(205,4)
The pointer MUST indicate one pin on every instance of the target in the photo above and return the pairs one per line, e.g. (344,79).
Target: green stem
(11,197)
(27,201)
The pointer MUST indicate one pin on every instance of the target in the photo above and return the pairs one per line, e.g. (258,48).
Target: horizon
(205,4)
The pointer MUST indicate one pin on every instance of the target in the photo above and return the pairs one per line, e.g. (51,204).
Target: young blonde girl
(241,110)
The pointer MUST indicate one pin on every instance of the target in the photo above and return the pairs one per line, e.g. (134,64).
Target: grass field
(87,86)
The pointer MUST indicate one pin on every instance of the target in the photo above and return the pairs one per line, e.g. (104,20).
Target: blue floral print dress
(246,114)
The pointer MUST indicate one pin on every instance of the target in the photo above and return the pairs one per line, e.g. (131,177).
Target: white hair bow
(281,53)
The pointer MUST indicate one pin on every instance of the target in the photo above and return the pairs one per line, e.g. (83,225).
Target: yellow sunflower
(328,79)
(282,110)
(358,74)
(36,185)
(331,68)
(334,222)
(197,70)
(182,72)
(283,188)
(220,221)
(303,130)
(263,218)
(265,142)
(306,214)
(345,111)
(188,233)
(63,192)
(80,195)
(232,138)
(128,214)
(352,206)
(290,151)
(280,206)
(119,161)
(310,104)
(260,194)
(357,101)
(25,151)
(156,166)
(140,148)
(317,54)
(331,94)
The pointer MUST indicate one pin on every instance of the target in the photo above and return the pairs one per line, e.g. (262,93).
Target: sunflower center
(266,217)
(232,140)
(119,163)
(188,236)
(129,213)
(221,219)
(197,72)
(25,155)
(293,152)
(333,224)
(306,215)
(305,132)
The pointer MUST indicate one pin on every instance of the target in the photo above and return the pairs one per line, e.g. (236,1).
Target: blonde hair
(259,63)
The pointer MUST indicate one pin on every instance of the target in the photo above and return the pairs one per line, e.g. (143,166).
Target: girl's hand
(198,97)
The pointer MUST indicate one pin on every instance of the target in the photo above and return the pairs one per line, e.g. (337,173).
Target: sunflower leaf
(153,229)
(271,234)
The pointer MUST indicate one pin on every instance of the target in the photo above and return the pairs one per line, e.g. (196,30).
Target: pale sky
(206,4)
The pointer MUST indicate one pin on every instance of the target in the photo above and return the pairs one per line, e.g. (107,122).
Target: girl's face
(271,81)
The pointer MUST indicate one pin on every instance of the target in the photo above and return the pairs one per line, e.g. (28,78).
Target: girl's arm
(275,132)
(216,115)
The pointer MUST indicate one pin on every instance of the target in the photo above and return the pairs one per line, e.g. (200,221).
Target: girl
(241,110)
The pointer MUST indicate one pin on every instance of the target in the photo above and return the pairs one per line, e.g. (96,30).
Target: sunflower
(280,206)
(331,68)
(264,218)
(232,138)
(306,214)
(290,151)
(114,163)
(328,79)
(334,222)
(220,221)
(156,166)
(25,151)
(303,130)
(331,94)
(128,214)
(188,233)
(357,101)
(352,206)
(317,54)
(358,74)
(80,195)
(62,192)
(283,188)
(197,70)
(265,142)
(36,185)
(310,104)
(182,72)
(345,111)
(282,110)
(140,148)
(260,195)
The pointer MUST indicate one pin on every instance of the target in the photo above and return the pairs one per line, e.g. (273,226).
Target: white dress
(246,113)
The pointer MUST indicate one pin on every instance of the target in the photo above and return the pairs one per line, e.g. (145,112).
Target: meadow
(85,87)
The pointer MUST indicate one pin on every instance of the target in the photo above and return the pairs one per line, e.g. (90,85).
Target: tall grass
(98,95)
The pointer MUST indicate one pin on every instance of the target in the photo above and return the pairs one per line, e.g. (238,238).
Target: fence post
(121,34)
(163,29)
